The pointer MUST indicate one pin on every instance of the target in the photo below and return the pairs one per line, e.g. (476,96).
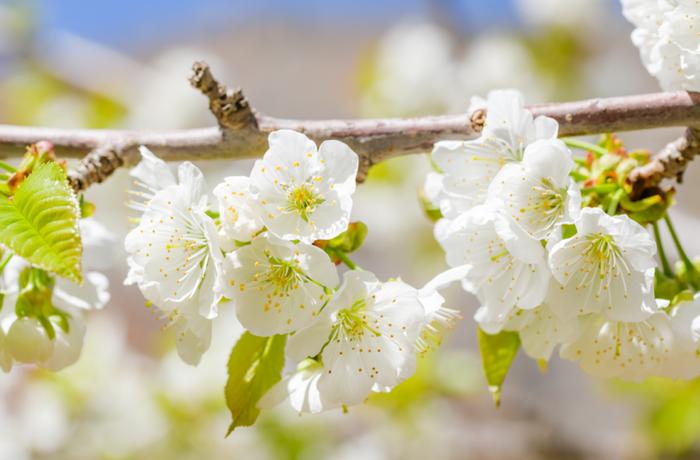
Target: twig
(669,163)
(242,133)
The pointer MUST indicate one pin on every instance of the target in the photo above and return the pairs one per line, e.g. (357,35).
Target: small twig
(669,163)
(97,166)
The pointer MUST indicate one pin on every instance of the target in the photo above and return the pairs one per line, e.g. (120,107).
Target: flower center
(303,200)
(354,321)
(604,253)
(284,275)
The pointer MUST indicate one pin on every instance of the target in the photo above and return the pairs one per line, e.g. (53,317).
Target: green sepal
(683,296)
(667,287)
(431,211)
(348,241)
(87,208)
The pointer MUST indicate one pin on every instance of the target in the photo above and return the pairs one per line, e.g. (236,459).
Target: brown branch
(669,163)
(242,133)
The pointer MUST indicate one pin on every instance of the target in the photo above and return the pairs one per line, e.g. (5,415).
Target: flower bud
(67,345)
(28,342)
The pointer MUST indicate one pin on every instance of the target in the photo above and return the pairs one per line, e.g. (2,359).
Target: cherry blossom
(278,286)
(607,267)
(470,166)
(174,255)
(304,193)
(366,338)
(508,268)
(538,192)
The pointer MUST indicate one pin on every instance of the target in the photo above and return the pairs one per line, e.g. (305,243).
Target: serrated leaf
(40,222)
(497,354)
(254,366)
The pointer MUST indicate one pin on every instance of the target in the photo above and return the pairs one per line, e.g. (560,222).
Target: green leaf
(254,366)
(497,354)
(40,222)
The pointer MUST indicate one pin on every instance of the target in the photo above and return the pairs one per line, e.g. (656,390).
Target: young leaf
(40,222)
(497,354)
(254,366)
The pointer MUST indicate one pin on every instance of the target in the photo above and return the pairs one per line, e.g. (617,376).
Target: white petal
(152,171)
(240,221)
(67,346)
(191,181)
(28,342)
(93,294)
(308,342)
(546,128)
(193,337)
(269,298)
(340,165)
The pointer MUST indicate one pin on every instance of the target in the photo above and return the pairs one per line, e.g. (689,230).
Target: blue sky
(121,23)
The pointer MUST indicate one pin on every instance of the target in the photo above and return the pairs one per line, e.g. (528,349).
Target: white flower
(304,193)
(18,333)
(626,350)
(366,337)
(607,266)
(432,188)
(541,330)
(684,362)
(278,286)
(438,318)
(98,245)
(67,345)
(239,220)
(151,175)
(499,60)
(28,341)
(174,255)
(666,35)
(508,267)
(538,192)
(470,166)
(413,71)
(300,389)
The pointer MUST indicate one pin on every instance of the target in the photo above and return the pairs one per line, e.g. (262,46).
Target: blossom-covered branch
(242,132)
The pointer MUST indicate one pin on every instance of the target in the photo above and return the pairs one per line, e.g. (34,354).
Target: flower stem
(7,167)
(615,201)
(662,252)
(346,260)
(583,145)
(681,252)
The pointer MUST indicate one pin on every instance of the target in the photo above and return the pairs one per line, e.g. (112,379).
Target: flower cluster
(543,266)
(267,248)
(667,37)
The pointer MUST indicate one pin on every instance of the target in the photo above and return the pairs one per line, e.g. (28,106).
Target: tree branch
(242,133)
(669,163)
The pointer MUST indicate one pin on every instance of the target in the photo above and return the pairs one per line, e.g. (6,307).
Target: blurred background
(124,64)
